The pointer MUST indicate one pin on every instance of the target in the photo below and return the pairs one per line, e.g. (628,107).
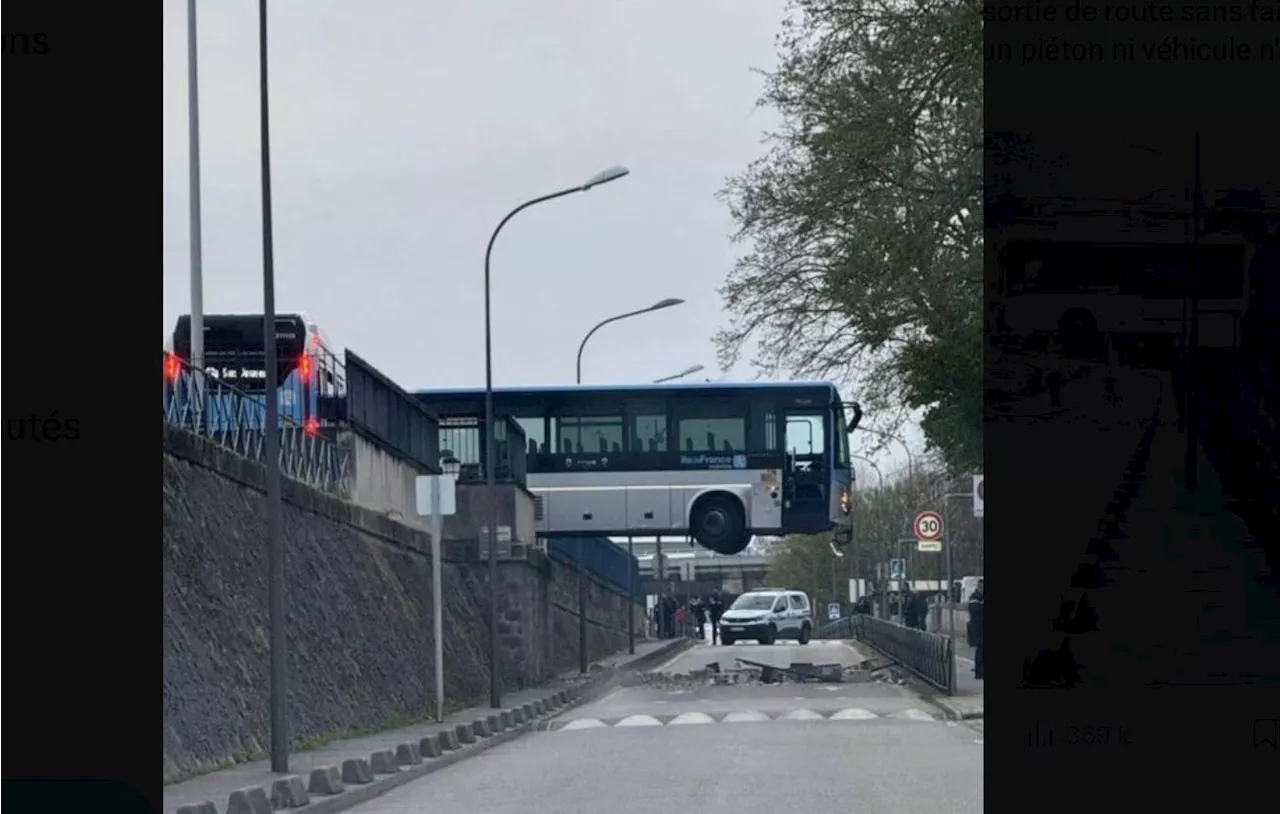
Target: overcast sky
(402,132)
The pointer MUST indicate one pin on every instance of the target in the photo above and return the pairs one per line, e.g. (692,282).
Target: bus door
(805,507)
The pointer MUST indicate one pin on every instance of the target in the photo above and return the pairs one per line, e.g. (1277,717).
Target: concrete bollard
(466,733)
(251,800)
(202,807)
(481,727)
(356,771)
(505,719)
(383,761)
(408,754)
(429,746)
(529,713)
(288,792)
(517,716)
(448,740)
(326,780)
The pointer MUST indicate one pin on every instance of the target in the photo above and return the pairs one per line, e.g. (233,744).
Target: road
(668,745)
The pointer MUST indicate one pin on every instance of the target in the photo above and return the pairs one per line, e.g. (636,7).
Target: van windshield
(753,602)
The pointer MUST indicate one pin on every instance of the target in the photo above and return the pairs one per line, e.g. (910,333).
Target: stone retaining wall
(359,608)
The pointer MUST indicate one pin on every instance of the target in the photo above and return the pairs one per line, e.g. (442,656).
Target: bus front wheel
(718,524)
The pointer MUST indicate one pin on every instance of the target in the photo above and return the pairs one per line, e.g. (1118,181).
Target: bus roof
(620,388)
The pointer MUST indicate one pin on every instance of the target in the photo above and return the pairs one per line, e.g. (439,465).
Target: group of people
(672,619)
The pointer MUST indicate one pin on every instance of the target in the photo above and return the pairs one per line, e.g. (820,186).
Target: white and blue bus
(718,462)
(235,354)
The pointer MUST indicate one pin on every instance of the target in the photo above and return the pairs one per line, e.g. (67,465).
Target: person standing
(699,616)
(715,609)
(977,612)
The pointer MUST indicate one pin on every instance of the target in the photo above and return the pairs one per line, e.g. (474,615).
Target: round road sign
(982,490)
(928,526)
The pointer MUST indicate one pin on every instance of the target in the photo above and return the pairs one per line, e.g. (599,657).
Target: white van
(766,615)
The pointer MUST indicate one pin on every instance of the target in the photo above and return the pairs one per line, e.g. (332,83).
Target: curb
(261,798)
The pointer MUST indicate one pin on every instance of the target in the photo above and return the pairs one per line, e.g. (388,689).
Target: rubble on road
(748,671)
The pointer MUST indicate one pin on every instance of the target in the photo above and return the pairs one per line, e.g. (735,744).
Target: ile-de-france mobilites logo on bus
(714,461)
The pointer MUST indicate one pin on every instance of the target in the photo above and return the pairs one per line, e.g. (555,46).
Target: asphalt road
(737,749)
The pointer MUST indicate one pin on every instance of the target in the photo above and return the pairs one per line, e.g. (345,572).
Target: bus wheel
(718,524)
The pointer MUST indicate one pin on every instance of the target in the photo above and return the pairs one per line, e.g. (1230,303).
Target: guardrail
(929,656)
(602,557)
(462,438)
(234,420)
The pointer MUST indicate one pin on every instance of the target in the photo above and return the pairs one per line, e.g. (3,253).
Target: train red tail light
(172,367)
(305,366)
(311,426)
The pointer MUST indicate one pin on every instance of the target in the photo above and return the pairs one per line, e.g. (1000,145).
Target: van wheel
(805,633)
(718,524)
(770,637)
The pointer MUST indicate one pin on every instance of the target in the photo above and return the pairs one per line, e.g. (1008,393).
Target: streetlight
(889,436)
(602,177)
(873,465)
(583,662)
(688,371)
(275,544)
(657,306)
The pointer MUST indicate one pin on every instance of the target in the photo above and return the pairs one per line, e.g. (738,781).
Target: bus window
(588,435)
(535,432)
(727,434)
(648,429)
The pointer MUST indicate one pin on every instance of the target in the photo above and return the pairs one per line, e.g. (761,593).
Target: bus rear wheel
(718,524)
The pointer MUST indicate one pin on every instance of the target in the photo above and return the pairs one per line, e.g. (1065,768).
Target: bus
(235,353)
(1122,275)
(717,462)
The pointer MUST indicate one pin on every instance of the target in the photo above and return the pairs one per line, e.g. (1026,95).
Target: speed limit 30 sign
(928,526)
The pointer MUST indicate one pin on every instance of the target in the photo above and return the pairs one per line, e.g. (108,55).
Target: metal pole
(584,666)
(660,575)
(631,596)
(193,160)
(437,598)
(495,692)
(275,544)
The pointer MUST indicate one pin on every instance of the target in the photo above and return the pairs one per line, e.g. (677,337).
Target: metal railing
(929,656)
(234,420)
(602,557)
(462,440)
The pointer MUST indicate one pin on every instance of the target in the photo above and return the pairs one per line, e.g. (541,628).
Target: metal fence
(604,558)
(383,412)
(235,420)
(462,439)
(928,655)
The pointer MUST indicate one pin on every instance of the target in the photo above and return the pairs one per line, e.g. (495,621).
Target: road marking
(802,715)
(584,723)
(854,715)
(748,716)
(640,720)
(692,718)
(916,715)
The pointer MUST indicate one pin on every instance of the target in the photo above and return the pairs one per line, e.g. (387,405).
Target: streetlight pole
(689,371)
(910,461)
(584,665)
(874,466)
(670,302)
(193,161)
(275,544)
(603,177)
(951,606)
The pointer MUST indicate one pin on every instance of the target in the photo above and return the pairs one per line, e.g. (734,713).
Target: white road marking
(748,716)
(853,715)
(692,718)
(584,723)
(802,715)
(639,720)
(917,715)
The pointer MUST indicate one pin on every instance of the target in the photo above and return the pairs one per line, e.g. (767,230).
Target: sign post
(928,530)
(435,498)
